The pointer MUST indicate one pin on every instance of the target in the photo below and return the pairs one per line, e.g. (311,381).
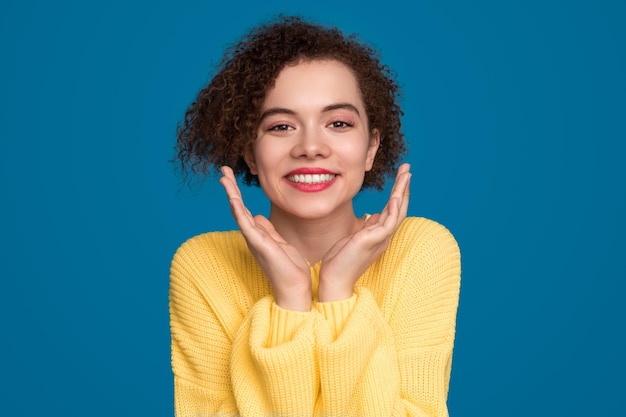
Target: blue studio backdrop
(514,113)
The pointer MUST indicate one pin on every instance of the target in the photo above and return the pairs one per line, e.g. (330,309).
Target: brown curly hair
(223,120)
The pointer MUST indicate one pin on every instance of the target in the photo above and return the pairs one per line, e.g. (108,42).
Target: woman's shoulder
(423,247)
(215,269)
(415,232)
(218,262)
(421,266)
(210,240)
(211,247)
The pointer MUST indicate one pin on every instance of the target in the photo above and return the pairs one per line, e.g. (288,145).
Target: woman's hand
(287,270)
(348,259)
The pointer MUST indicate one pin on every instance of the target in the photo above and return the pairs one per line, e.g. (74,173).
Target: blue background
(515,114)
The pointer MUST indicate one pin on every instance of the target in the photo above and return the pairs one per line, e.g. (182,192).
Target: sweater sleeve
(273,366)
(423,321)
(392,355)
(358,370)
(200,345)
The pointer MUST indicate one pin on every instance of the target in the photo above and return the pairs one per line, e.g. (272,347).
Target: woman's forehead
(317,83)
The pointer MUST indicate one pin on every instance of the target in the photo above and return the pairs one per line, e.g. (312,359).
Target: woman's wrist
(329,291)
(295,300)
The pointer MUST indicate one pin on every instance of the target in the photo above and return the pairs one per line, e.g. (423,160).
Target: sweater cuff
(337,313)
(283,324)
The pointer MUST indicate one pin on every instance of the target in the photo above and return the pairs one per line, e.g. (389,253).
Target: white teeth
(311,178)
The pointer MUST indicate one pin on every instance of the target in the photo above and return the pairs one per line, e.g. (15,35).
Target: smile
(311,178)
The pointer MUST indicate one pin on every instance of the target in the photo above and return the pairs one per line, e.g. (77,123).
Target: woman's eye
(340,124)
(280,127)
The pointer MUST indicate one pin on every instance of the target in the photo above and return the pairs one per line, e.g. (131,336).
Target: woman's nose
(311,143)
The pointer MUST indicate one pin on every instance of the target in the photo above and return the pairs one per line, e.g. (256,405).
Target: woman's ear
(373,148)
(248,156)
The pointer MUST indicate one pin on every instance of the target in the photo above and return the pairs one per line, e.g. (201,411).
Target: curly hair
(223,120)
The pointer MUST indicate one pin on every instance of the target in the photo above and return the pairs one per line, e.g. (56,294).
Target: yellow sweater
(384,352)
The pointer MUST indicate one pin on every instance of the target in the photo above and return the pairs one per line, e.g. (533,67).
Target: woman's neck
(314,237)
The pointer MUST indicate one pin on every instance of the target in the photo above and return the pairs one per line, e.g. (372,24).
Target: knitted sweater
(384,352)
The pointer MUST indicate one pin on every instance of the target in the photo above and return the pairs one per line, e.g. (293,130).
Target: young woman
(314,311)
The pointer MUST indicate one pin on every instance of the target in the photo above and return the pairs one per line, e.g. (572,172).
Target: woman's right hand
(287,270)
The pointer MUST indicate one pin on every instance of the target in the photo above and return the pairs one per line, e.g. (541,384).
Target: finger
(242,215)
(398,191)
(233,198)
(405,167)
(267,226)
(391,222)
(402,169)
(229,182)
(395,215)
(398,188)
(239,210)
(401,192)
(404,203)
(396,210)
(385,225)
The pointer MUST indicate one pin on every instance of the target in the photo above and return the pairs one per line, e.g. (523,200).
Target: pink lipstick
(310,179)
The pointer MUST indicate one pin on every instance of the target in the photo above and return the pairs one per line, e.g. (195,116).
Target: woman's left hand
(348,259)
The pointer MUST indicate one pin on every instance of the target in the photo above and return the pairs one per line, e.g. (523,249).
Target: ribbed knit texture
(386,351)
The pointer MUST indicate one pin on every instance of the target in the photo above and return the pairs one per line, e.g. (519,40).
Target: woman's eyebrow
(280,110)
(346,106)
(276,110)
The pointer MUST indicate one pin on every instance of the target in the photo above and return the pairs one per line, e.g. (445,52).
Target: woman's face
(313,144)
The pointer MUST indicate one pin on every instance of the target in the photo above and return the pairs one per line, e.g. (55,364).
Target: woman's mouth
(311,178)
